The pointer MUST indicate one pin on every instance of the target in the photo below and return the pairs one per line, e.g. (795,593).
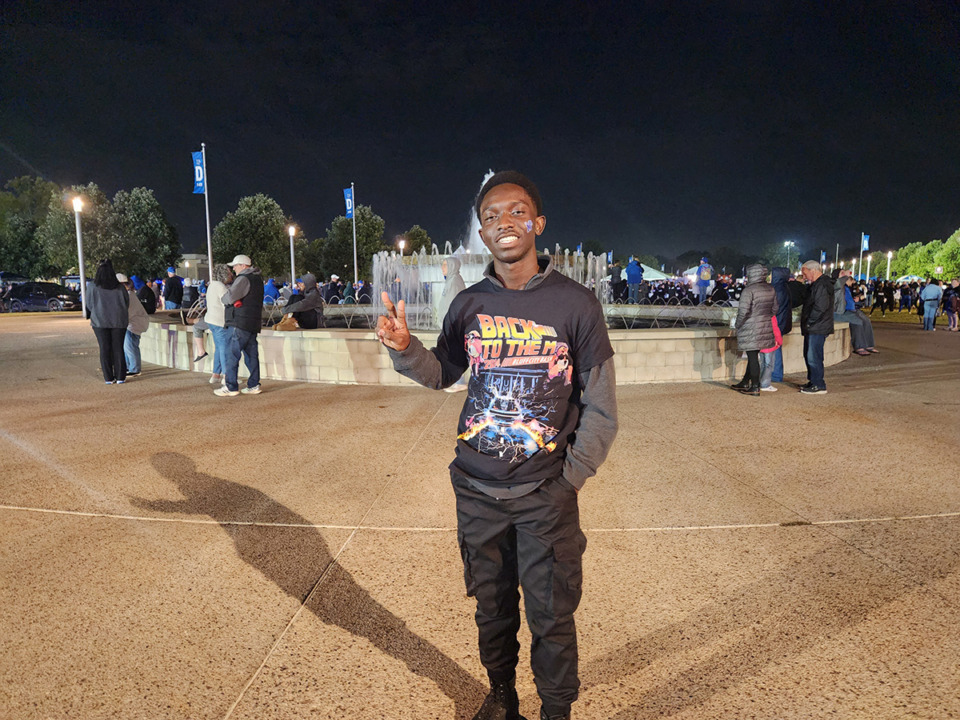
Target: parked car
(41,296)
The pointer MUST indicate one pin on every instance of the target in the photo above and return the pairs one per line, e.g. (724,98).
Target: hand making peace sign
(392,328)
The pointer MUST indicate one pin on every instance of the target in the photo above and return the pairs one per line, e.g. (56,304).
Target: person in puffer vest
(758,304)
(243,314)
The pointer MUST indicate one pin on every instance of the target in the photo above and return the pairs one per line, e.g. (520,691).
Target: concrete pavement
(166,553)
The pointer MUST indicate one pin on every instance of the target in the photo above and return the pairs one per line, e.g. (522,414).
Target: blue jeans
(766,367)
(167,305)
(702,293)
(777,365)
(131,352)
(633,293)
(930,318)
(242,342)
(813,356)
(221,344)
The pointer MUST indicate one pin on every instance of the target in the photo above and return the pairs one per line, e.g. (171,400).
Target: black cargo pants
(533,542)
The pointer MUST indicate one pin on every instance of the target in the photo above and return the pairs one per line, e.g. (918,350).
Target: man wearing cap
(172,290)
(539,418)
(243,313)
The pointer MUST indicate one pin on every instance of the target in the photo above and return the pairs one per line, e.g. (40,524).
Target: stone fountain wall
(356,357)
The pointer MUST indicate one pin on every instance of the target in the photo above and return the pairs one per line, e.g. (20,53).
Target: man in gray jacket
(539,418)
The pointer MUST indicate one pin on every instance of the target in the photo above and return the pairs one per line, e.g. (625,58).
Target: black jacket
(816,318)
(148,299)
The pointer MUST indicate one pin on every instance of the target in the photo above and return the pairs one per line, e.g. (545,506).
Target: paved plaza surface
(165,553)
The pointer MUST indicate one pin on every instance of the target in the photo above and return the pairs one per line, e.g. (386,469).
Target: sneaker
(136,374)
(109,382)
(120,382)
(768,388)
(251,390)
(216,379)
(813,390)
(806,385)
(225,392)
(501,703)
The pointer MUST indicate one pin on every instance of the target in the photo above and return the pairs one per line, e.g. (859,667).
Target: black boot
(745,383)
(544,716)
(501,703)
(750,390)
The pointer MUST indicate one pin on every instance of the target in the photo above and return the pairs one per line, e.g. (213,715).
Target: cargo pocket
(568,574)
(467,573)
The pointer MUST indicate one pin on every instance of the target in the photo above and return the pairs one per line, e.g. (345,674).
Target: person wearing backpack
(704,278)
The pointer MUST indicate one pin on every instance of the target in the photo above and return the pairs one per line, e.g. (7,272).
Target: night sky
(652,128)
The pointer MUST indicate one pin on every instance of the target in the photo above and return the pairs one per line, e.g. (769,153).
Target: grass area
(902,318)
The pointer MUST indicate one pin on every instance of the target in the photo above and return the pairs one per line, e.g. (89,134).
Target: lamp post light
(853,267)
(402,243)
(869,261)
(77,207)
(789,244)
(889,257)
(292,230)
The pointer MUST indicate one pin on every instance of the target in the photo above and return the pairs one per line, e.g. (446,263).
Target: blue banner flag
(823,257)
(199,174)
(348,199)
(610,256)
(866,243)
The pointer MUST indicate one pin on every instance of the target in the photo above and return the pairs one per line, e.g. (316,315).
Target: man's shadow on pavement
(294,558)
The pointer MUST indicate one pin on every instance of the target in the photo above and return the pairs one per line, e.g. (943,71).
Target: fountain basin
(355,356)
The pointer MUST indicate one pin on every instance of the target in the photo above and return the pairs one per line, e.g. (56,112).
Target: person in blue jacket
(634,278)
(779,277)
(704,278)
(270,290)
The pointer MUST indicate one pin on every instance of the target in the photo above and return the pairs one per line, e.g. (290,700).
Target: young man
(816,323)
(539,418)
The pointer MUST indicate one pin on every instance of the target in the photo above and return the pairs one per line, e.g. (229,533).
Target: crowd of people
(761,322)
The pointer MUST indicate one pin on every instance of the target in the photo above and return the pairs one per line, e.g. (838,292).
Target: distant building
(194,266)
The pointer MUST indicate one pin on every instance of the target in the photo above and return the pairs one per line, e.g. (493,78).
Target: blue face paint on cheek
(529,225)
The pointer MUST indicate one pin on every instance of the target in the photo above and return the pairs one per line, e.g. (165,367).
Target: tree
(23,208)
(257,229)
(336,252)
(147,242)
(57,233)
(948,257)
(922,261)
(417,239)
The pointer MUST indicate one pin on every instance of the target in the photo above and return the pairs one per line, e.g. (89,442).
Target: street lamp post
(853,267)
(869,260)
(292,230)
(788,244)
(77,207)
(402,243)
(889,257)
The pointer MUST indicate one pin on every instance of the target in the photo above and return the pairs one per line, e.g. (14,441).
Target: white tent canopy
(650,273)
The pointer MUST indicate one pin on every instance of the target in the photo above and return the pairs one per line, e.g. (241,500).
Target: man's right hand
(392,328)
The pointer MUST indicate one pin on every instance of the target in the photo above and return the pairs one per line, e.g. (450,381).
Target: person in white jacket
(138,322)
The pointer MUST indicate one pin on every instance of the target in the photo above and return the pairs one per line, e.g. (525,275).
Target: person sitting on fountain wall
(307,308)
(516,479)
(845,310)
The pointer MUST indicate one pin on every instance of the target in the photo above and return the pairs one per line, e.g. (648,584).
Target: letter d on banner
(199,174)
(348,199)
